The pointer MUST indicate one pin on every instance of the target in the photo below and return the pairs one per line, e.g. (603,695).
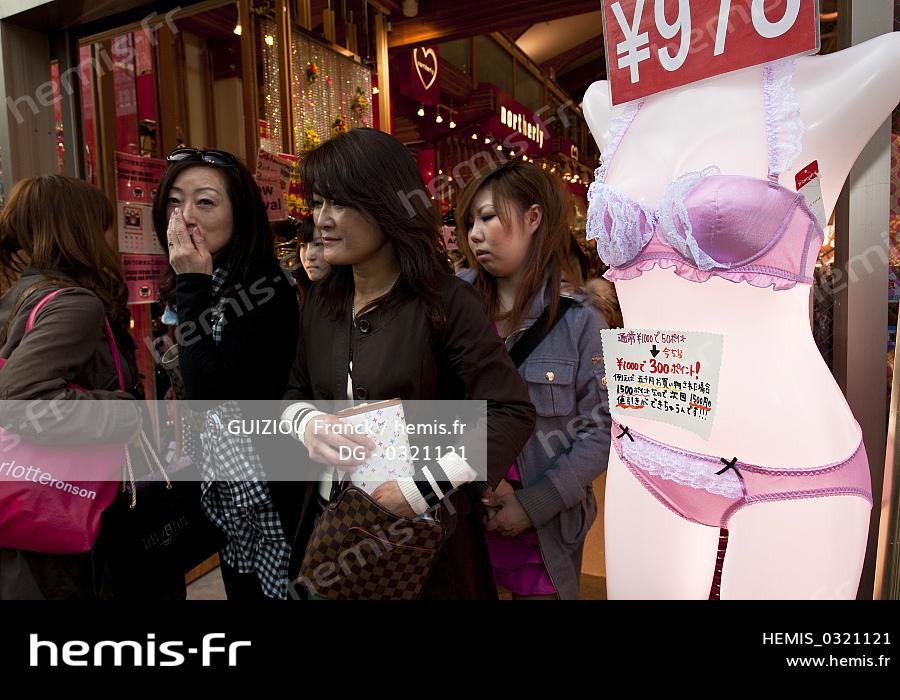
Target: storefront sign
(519,120)
(137,178)
(656,45)
(273,174)
(136,182)
(426,64)
(666,376)
(520,128)
(136,232)
(142,273)
(419,75)
(273,192)
(274,166)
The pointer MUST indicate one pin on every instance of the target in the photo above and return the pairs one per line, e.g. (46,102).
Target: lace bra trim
(784,126)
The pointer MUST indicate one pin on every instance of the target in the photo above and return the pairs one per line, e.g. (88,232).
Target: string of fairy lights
(330,93)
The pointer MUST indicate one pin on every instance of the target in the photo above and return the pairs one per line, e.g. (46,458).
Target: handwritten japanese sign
(656,45)
(666,376)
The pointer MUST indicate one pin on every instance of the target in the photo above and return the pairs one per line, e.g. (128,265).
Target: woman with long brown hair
(515,231)
(55,234)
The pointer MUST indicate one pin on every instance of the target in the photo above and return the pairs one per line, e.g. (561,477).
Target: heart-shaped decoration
(428,63)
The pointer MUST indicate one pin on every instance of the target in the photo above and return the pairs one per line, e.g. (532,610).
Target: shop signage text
(518,121)
(426,63)
(418,75)
(656,45)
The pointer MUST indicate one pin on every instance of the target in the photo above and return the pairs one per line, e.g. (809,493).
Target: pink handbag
(46,505)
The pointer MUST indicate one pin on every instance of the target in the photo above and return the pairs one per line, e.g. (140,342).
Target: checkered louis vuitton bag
(361,551)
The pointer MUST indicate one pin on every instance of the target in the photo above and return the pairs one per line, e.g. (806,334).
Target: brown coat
(67,345)
(396,355)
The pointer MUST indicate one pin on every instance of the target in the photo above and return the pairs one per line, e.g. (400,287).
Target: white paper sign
(666,376)
(136,233)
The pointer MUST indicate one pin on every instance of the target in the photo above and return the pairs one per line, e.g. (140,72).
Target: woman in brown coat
(54,234)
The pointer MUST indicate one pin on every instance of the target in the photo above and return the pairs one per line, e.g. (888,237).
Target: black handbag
(155,532)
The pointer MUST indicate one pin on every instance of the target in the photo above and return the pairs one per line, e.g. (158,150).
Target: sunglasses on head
(219,159)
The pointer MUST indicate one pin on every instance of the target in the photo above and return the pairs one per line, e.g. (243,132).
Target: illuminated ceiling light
(440,172)
(421,111)
(238,29)
(474,137)
(499,147)
(270,40)
(512,154)
(487,140)
(452,124)
(375,90)
(439,119)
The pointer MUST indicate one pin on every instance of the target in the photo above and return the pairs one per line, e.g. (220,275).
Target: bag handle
(32,317)
(150,455)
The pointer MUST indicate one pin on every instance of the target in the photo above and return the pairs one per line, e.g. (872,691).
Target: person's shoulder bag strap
(23,297)
(539,330)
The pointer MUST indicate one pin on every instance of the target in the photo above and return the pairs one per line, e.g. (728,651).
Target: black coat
(397,354)
(252,361)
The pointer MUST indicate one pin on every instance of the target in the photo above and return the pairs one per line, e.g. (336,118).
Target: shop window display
(779,546)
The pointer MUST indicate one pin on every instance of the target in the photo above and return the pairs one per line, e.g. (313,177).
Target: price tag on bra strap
(810,185)
(656,45)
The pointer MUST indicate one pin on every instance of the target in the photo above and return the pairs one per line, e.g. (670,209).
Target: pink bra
(739,228)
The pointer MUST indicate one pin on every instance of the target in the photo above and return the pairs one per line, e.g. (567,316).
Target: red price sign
(656,45)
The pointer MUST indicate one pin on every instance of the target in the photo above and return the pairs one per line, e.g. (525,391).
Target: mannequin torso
(778,404)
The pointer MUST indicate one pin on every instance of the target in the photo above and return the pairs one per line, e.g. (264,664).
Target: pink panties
(709,490)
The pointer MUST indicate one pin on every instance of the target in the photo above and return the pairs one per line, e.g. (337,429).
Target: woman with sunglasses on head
(391,321)
(515,231)
(237,319)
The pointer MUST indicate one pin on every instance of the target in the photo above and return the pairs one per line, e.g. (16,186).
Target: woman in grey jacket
(517,220)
